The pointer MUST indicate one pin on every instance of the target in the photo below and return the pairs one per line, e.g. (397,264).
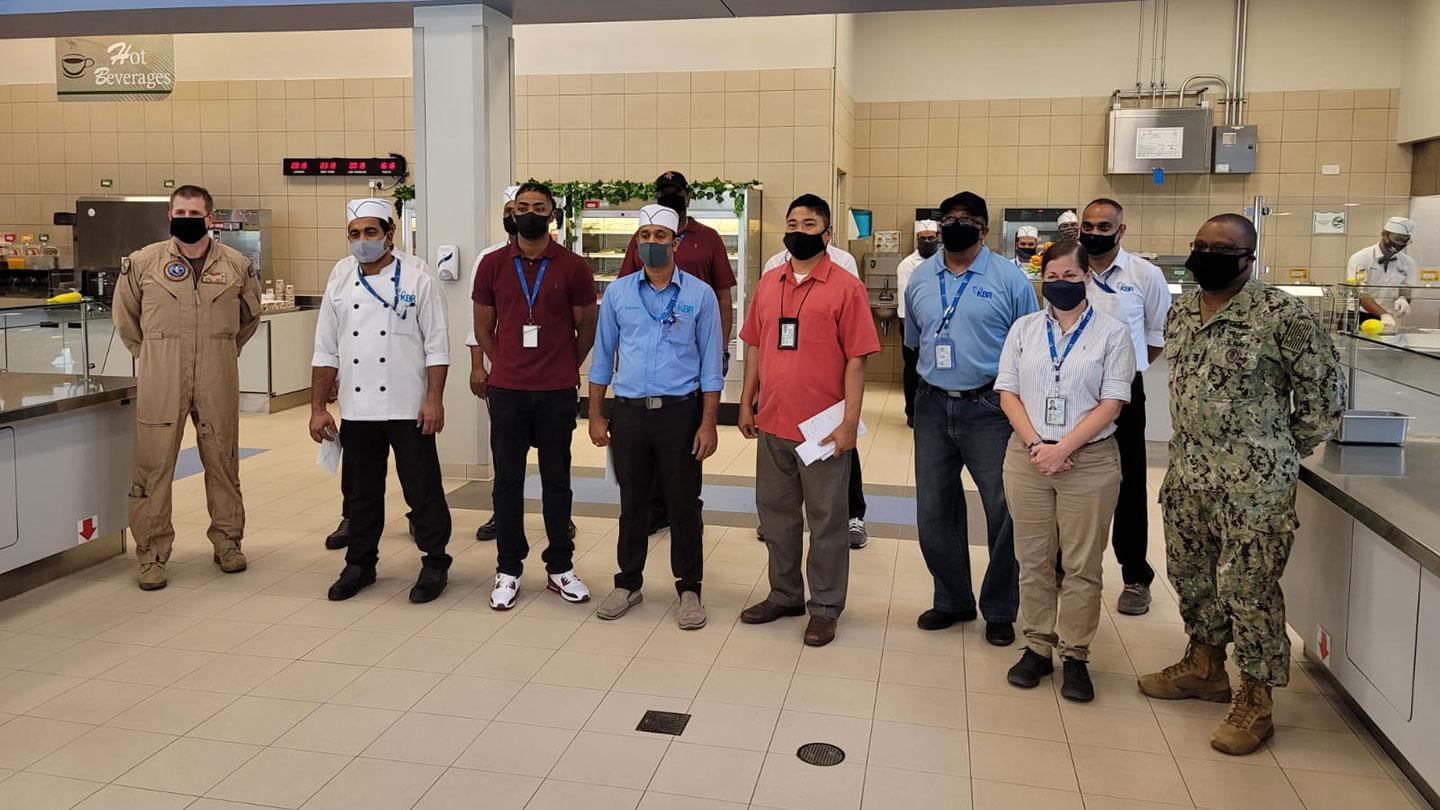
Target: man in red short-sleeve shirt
(701,252)
(810,328)
(535,319)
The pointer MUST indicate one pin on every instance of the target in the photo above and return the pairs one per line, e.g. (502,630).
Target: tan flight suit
(186,330)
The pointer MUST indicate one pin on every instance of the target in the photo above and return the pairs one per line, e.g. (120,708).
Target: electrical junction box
(1175,140)
(1235,149)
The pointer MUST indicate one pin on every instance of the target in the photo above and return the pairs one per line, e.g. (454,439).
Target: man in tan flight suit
(184,307)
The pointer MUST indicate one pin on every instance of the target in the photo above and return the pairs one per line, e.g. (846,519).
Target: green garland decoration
(615,192)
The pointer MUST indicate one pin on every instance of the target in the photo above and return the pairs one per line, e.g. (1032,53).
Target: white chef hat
(1068,218)
(1400,226)
(1027,230)
(927,225)
(378,207)
(509,194)
(660,215)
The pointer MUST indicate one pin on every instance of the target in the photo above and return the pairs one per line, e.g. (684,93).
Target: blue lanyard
(396,280)
(667,317)
(950,306)
(1058,360)
(1099,282)
(531,295)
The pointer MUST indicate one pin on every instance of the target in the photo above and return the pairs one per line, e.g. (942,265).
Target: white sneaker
(569,586)
(506,589)
(858,537)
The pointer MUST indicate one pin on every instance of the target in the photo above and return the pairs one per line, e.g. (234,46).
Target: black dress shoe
(487,531)
(340,538)
(934,619)
(1077,685)
(1001,634)
(429,585)
(656,524)
(352,580)
(573,532)
(1028,671)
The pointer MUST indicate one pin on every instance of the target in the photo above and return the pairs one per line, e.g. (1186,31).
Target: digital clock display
(392,166)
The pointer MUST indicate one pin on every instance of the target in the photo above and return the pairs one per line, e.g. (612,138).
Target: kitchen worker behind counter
(382,332)
(185,307)
(1385,264)
(927,242)
(1027,240)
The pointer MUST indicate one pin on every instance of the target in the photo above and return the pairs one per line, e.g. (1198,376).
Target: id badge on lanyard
(944,353)
(944,345)
(789,334)
(1055,411)
(530,331)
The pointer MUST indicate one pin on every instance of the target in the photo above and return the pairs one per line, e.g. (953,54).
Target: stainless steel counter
(26,396)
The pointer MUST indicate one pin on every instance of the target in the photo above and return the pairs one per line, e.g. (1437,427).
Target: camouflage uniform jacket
(1231,386)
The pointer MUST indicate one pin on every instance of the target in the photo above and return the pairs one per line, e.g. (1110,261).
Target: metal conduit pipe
(1206,78)
(1154,38)
(1237,71)
(1139,42)
(1164,45)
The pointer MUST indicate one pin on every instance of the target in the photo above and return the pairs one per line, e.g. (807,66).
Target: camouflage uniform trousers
(1225,553)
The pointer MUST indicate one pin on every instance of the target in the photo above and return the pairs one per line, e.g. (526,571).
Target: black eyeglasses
(1223,250)
(963,219)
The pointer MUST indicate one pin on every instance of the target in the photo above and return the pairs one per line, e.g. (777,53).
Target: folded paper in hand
(819,427)
(329,456)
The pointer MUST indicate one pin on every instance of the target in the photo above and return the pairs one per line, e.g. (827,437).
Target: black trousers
(650,446)
(1131,528)
(857,487)
(520,420)
(365,464)
(911,378)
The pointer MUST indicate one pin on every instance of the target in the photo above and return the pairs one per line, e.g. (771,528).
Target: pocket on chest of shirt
(404,321)
(681,332)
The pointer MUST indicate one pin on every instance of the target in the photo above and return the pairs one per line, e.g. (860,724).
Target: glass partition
(52,338)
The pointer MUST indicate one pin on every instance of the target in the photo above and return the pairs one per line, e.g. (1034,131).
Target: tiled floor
(232,692)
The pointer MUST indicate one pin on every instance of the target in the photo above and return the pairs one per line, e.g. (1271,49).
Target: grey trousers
(783,486)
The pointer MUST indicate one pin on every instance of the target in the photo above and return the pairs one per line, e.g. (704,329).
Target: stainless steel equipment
(248,231)
(1041,219)
(1175,139)
(1373,427)
(108,228)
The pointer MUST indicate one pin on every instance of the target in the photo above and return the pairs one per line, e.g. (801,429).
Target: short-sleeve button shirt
(568,283)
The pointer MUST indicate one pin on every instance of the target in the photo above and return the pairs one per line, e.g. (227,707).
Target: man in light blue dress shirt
(659,344)
(959,305)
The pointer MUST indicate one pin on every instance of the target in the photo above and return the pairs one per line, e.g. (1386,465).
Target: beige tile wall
(227,136)
(776,126)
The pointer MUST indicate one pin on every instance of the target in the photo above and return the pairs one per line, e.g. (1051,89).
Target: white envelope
(818,427)
(329,456)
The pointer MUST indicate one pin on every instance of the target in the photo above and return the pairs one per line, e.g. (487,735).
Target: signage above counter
(115,68)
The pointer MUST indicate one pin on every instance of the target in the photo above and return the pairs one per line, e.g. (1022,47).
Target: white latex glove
(1387,324)
(1401,307)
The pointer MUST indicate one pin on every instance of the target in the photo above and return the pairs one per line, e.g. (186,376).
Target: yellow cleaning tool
(71,297)
(1373,327)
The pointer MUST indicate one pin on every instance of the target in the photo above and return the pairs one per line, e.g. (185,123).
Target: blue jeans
(970,433)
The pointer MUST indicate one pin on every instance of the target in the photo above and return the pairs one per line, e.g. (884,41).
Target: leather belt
(973,392)
(656,403)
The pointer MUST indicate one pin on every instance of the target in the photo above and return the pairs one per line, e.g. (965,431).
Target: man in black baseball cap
(701,252)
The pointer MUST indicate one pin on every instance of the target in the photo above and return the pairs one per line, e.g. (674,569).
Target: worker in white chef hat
(1027,240)
(1068,225)
(1385,267)
(382,334)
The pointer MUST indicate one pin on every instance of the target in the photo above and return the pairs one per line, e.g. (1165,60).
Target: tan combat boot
(1248,725)
(152,576)
(231,560)
(1200,674)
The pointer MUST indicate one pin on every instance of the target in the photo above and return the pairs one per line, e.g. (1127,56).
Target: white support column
(464,128)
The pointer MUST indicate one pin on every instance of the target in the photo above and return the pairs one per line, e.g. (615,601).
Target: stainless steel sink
(884,304)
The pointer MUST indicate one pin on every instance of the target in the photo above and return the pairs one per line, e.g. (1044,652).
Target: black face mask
(532,225)
(1063,295)
(510,226)
(803,245)
(1391,248)
(675,202)
(188,229)
(927,247)
(959,236)
(1097,244)
(1024,254)
(1214,271)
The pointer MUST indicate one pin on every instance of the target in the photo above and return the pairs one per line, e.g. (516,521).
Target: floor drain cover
(821,754)
(664,723)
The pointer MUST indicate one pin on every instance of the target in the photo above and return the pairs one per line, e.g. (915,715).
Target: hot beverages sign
(119,68)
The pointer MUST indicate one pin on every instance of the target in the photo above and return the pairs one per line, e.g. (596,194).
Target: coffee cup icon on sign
(74,65)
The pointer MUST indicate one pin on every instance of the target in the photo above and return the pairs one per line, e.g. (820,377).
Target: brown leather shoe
(767,611)
(820,631)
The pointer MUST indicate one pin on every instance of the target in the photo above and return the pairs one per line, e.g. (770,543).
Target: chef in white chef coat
(1385,265)
(382,332)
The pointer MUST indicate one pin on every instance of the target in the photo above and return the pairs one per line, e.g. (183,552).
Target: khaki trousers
(784,487)
(1069,513)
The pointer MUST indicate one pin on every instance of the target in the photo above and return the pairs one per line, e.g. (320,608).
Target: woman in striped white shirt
(1064,373)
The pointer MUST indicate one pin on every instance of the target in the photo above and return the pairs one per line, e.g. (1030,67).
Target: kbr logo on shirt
(1127,288)
(686,308)
(982,293)
(407,298)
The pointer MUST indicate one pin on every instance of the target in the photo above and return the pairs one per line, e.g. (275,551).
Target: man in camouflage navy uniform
(1238,350)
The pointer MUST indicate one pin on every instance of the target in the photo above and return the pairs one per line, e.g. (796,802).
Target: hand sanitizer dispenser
(447,262)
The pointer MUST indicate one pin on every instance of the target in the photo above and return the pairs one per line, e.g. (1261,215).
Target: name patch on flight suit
(177,271)
(215,277)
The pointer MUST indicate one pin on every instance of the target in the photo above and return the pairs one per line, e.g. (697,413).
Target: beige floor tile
(461,625)
(1333,791)
(918,669)
(1093,802)
(93,701)
(1302,710)
(517,749)
(726,774)
(505,662)
(158,666)
(87,659)
(23,691)
(826,695)
(920,748)
(323,613)
(254,720)
(356,647)
(839,661)
(285,641)
(397,689)
(789,784)
(38,791)
(546,705)
(309,680)
(648,676)
(457,789)
(396,619)
(760,653)
(620,712)
(189,766)
(234,674)
(425,738)
(923,705)
(795,729)
(1237,786)
(461,696)
(333,729)
(1015,716)
(214,635)
(115,797)
(375,784)
(751,687)
(987,795)
(84,622)
(102,754)
(524,631)
(1326,751)
(429,654)
(607,759)
(731,725)
(172,711)
(1112,728)
(585,670)
(673,644)
(265,607)
(902,635)
(887,788)
(557,795)
(1022,761)
(1190,737)
(26,740)
(1127,774)
(608,638)
(988,676)
(280,778)
(655,800)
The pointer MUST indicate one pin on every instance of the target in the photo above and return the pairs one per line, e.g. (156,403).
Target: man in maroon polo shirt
(535,317)
(701,252)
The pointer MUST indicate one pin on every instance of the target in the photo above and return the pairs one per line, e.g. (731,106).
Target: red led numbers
(355,167)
